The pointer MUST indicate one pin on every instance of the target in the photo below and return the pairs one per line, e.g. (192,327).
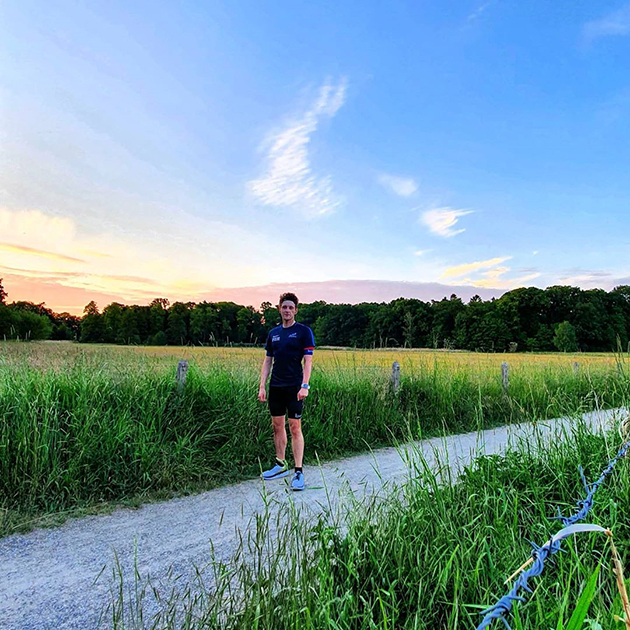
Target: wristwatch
(305,386)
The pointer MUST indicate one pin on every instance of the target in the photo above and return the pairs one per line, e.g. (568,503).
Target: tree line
(527,319)
(27,320)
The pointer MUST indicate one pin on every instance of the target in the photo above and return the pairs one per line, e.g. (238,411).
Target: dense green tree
(5,315)
(384,326)
(177,326)
(402,322)
(623,293)
(562,302)
(66,327)
(271,316)
(590,320)
(31,307)
(158,314)
(444,314)
(7,323)
(143,322)
(342,325)
(164,303)
(409,328)
(248,325)
(480,327)
(28,320)
(525,311)
(616,325)
(228,326)
(132,331)
(62,326)
(620,307)
(204,323)
(159,339)
(30,326)
(112,319)
(418,319)
(565,339)
(543,341)
(91,324)
(308,314)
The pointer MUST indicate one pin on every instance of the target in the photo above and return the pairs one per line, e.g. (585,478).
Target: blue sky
(180,148)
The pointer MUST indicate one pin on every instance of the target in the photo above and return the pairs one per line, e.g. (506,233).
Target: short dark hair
(288,296)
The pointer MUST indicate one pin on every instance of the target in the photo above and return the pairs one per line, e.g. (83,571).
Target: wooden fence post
(395,376)
(505,376)
(182,371)
(576,368)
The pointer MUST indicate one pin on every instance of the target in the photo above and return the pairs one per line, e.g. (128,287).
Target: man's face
(288,310)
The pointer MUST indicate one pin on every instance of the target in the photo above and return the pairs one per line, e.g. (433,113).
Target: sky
(200,150)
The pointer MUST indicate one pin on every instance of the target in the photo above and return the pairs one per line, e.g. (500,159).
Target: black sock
(280,462)
(298,469)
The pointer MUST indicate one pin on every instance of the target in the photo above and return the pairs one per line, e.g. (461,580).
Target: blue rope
(551,547)
(585,504)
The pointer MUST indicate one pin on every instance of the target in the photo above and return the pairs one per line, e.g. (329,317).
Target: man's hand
(264,374)
(303,393)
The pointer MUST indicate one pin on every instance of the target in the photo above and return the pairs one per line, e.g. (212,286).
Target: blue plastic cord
(541,554)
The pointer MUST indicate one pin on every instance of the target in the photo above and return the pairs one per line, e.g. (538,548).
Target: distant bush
(18,324)
(159,339)
(565,339)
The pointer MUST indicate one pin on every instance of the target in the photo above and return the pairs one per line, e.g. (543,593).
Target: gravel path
(47,577)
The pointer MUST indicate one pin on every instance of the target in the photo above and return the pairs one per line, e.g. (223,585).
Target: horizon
(333,293)
(193,151)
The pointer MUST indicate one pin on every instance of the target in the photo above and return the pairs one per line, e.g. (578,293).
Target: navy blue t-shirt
(287,346)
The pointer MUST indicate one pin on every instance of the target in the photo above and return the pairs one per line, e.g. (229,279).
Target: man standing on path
(286,346)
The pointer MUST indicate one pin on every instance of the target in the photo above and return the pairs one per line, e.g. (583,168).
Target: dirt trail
(47,576)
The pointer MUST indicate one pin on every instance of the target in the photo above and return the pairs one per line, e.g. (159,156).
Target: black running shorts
(283,400)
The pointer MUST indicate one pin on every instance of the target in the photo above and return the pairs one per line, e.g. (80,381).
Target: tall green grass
(429,557)
(100,428)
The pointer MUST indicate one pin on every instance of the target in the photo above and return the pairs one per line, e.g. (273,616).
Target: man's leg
(279,436)
(297,440)
(280,468)
(277,407)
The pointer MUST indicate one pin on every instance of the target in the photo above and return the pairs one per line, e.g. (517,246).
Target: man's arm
(308,367)
(264,375)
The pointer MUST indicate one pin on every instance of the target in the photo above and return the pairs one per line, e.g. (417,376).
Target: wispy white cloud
(462,270)
(478,11)
(442,221)
(402,186)
(421,252)
(489,274)
(32,251)
(586,278)
(289,180)
(493,279)
(615,23)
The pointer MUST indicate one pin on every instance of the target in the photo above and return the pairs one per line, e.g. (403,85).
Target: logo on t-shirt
(275,338)
(292,335)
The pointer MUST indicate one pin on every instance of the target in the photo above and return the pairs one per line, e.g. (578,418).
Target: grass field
(432,556)
(87,426)
(46,354)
